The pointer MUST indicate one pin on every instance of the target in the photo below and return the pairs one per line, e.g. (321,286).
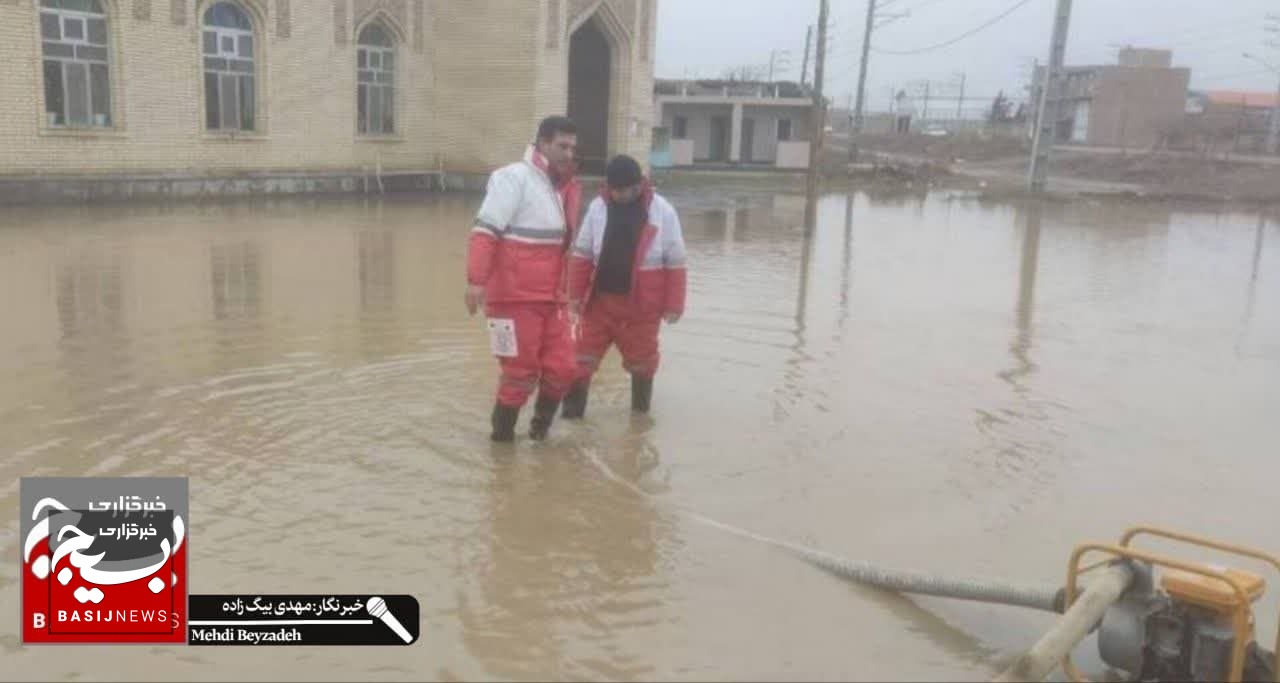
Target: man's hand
(575,308)
(671,318)
(474,298)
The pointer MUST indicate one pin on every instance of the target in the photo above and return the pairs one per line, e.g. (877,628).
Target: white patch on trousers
(502,337)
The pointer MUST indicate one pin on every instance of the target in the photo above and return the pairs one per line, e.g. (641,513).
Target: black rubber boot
(575,403)
(641,393)
(504,423)
(544,411)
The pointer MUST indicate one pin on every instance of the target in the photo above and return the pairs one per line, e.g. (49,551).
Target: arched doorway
(590,96)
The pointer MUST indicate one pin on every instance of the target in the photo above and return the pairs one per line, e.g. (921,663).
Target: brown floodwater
(929,382)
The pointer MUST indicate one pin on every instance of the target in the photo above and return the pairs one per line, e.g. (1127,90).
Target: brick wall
(473,79)
(1134,106)
(486,53)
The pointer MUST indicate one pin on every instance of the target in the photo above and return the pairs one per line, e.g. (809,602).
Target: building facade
(285,92)
(1137,102)
(735,123)
(1231,120)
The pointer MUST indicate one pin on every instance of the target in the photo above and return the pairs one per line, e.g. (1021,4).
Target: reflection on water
(93,336)
(1253,280)
(377,270)
(1022,342)
(236,280)
(846,265)
(954,386)
(89,298)
(572,565)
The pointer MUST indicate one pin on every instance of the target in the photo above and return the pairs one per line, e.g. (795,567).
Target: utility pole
(1273,131)
(804,70)
(1273,126)
(773,60)
(853,155)
(862,70)
(960,101)
(1050,96)
(818,128)
(1033,98)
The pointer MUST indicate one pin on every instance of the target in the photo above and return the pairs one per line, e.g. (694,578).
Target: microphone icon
(377,608)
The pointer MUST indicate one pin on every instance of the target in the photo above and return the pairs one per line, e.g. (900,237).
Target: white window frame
(791,130)
(376,89)
(225,74)
(94,120)
(676,128)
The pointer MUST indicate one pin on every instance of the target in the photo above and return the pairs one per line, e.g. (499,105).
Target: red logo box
(104,560)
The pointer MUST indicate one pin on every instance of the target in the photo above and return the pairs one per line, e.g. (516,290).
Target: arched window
(375,81)
(229,95)
(77,74)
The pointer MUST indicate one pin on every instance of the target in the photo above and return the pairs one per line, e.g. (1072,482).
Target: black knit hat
(623,171)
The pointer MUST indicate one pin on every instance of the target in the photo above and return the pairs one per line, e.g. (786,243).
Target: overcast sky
(703,37)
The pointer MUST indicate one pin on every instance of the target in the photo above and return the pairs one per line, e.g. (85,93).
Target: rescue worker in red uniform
(626,276)
(517,270)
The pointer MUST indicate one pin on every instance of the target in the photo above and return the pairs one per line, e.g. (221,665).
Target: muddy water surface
(927,383)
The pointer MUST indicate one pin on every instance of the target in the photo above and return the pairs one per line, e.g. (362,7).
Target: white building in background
(736,123)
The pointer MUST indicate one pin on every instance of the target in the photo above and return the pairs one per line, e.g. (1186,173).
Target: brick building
(1236,120)
(132,96)
(1132,103)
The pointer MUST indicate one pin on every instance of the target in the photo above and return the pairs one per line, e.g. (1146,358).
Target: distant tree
(1001,109)
(745,72)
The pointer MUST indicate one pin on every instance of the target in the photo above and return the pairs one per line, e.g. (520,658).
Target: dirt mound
(947,149)
(1176,175)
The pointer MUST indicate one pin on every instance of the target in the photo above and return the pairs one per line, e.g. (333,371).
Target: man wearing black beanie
(626,275)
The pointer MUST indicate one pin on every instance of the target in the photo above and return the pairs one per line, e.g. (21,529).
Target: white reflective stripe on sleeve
(534,241)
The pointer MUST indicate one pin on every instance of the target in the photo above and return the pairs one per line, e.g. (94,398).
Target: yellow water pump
(1179,620)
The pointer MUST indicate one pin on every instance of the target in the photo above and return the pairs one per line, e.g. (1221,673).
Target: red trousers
(611,319)
(543,357)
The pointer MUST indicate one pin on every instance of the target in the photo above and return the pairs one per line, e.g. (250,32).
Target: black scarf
(617,255)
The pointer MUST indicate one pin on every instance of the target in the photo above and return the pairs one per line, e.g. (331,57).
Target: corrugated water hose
(1040,597)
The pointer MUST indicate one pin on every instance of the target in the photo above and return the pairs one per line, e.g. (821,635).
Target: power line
(1233,47)
(1227,77)
(1192,41)
(1237,23)
(842,51)
(959,38)
(924,4)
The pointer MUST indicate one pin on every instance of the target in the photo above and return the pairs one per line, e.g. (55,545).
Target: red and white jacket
(658,273)
(519,245)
